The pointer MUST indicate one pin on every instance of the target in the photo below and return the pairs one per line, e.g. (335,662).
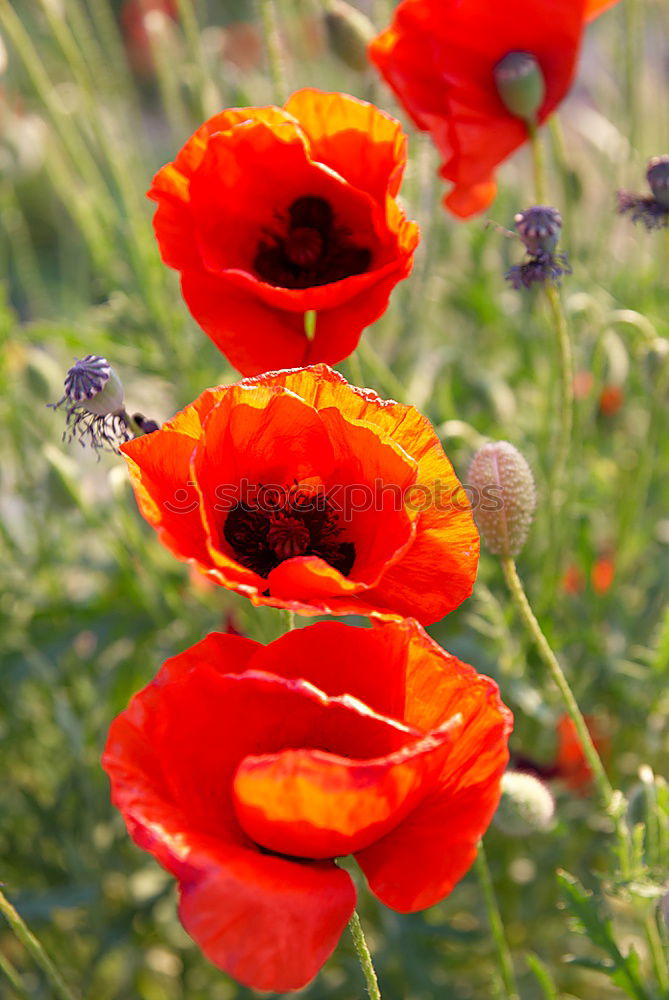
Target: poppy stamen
(311,250)
(263,536)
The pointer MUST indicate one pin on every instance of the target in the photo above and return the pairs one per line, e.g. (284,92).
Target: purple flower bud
(658,179)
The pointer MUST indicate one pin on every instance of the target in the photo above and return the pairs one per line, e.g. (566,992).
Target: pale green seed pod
(349,33)
(520,84)
(526,805)
(504,497)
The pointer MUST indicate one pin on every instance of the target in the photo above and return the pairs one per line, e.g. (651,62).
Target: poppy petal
(340,128)
(269,923)
(313,804)
(160,473)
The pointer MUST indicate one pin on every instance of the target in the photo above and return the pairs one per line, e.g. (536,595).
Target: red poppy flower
(611,398)
(303,492)
(270,213)
(247,769)
(439,57)
(571,764)
(135,18)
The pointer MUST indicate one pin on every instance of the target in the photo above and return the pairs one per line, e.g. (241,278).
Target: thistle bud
(651,209)
(94,401)
(520,84)
(349,33)
(658,179)
(507,497)
(539,228)
(526,805)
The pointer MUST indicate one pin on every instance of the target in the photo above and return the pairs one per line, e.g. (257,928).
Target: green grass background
(91,604)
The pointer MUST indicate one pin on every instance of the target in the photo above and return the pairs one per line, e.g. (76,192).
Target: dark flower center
(290,523)
(310,249)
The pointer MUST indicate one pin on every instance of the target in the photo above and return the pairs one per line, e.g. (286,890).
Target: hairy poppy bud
(539,228)
(658,179)
(349,33)
(520,84)
(526,805)
(498,470)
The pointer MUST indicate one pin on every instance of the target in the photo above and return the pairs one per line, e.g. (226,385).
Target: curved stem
(13,978)
(277,67)
(364,956)
(496,925)
(550,660)
(35,949)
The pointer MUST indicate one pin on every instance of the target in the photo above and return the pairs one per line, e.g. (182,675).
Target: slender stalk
(13,978)
(550,660)
(277,67)
(364,956)
(538,164)
(290,620)
(386,378)
(657,953)
(561,335)
(35,949)
(566,393)
(496,926)
(559,151)
(206,94)
(356,370)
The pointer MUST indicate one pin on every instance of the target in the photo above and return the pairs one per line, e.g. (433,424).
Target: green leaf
(624,970)
(542,976)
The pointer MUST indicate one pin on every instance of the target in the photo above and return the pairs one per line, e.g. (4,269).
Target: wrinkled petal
(227,198)
(269,923)
(317,805)
(340,128)
(439,57)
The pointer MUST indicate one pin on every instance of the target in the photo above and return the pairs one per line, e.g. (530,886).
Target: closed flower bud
(539,228)
(349,33)
(520,84)
(507,497)
(526,805)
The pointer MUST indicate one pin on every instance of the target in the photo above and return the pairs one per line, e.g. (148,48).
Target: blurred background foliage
(94,97)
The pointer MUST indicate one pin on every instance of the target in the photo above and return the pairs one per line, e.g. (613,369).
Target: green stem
(657,953)
(207,95)
(355,368)
(290,620)
(566,394)
(538,164)
(496,926)
(277,68)
(35,949)
(550,660)
(13,978)
(386,379)
(364,956)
